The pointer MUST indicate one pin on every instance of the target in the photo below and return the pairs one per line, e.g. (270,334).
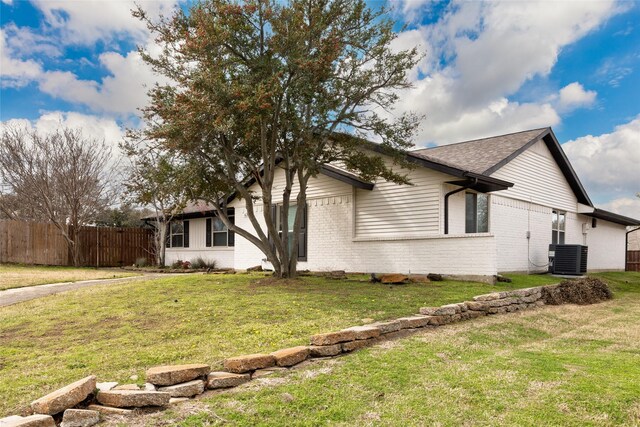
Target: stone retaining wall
(171,384)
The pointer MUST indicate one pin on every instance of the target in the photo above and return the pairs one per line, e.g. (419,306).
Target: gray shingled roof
(480,155)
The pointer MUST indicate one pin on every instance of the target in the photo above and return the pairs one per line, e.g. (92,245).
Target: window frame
(173,234)
(476,223)
(558,227)
(302,239)
(229,239)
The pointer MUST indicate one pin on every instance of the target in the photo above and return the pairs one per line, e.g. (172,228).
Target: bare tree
(62,176)
(154,182)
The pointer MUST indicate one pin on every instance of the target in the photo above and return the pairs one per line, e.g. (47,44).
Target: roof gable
(487,155)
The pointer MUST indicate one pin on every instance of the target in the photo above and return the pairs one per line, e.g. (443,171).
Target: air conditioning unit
(568,259)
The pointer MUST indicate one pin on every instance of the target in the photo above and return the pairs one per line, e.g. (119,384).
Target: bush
(141,262)
(201,263)
(179,264)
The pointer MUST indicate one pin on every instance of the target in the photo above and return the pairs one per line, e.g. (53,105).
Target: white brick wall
(331,246)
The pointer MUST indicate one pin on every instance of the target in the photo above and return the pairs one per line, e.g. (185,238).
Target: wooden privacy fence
(633,261)
(42,243)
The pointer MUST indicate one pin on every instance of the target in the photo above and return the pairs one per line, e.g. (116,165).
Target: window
(558,227)
(217,232)
(476,213)
(302,239)
(178,234)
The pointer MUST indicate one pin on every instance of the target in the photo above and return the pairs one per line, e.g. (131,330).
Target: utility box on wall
(568,259)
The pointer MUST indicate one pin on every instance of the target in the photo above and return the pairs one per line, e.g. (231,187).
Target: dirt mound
(582,291)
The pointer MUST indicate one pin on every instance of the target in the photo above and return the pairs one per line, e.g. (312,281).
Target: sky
(488,68)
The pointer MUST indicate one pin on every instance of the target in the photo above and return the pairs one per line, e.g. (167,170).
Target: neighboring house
(475,208)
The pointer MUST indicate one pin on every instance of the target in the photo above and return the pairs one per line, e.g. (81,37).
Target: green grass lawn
(115,331)
(19,276)
(555,366)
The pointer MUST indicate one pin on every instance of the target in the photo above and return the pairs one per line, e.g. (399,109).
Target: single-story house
(475,208)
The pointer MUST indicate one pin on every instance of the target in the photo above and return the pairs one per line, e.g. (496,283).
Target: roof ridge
(481,139)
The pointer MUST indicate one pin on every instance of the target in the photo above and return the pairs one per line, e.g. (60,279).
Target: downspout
(446,202)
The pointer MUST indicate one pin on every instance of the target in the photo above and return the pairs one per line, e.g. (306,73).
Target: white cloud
(121,93)
(624,206)
(574,96)
(26,43)
(92,126)
(15,72)
(88,21)
(608,164)
(479,54)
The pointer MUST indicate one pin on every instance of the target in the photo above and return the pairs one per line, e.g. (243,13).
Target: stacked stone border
(80,404)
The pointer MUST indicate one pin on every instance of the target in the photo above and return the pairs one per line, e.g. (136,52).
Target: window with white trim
(476,212)
(558,225)
(218,234)
(178,234)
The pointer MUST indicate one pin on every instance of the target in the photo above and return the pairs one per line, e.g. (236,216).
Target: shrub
(201,263)
(141,262)
(181,264)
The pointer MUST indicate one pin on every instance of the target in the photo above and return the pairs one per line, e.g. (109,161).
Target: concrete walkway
(16,295)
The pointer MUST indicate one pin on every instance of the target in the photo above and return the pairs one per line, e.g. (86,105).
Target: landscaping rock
(80,418)
(502,302)
(394,278)
(108,410)
(11,418)
(176,400)
(106,386)
(249,362)
(149,387)
(66,397)
(490,297)
(475,314)
(255,268)
(439,320)
(365,332)
(126,387)
(477,305)
(171,375)
(226,379)
(38,420)
(188,389)
(133,398)
(325,350)
(358,344)
(414,322)
(291,356)
(333,337)
(389,326)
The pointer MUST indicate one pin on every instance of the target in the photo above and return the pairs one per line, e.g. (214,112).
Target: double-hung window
(178,236)
(476,212)
(218,234)
(558,222)
(291,218)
